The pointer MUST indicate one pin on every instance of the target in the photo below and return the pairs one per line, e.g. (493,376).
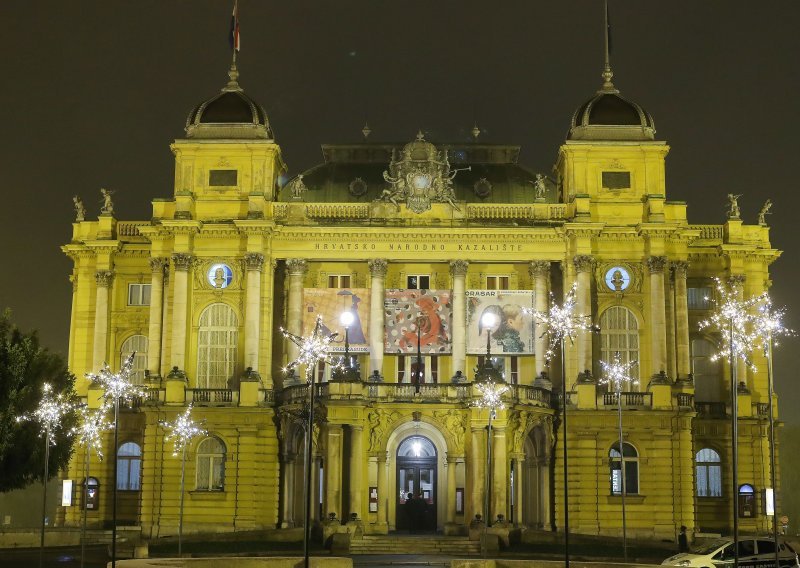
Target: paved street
(68,557)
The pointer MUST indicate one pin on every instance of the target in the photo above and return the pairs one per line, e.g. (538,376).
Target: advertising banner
(330,303)
(513,332)
(426,314)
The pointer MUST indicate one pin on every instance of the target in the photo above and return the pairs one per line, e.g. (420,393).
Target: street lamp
(346,319)
(615,374)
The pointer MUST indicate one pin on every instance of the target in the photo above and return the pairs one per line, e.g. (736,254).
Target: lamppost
(311,350)
(182,431)
(562,324)
(93,423)
(49,413)
(118,387)
(615,374)
(419,375)
(346,319)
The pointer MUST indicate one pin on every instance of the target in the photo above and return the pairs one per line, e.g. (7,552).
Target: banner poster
(514,331)
(330,303)
(431,308)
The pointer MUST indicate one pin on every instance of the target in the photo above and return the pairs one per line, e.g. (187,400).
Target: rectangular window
(401,369)
(138,294)
(699,298)
(418,282)
(497,282)
(514,370)
(222,178)
(616,180)
(338,281)
(407,368)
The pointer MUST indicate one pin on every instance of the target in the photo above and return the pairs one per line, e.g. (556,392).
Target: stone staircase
(412,544)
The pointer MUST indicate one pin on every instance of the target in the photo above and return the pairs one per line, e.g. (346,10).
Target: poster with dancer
(330,303)
(426,314)
(514,331)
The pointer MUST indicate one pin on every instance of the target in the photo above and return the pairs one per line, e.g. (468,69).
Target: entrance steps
(413,544)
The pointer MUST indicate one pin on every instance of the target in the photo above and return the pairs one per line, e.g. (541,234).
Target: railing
(711,409)
(212,396)
(709,232)
(629,399)
(337,211)
(130,228)
(499,212)
(527,393)
(685,400)
(762,408)
(267,396)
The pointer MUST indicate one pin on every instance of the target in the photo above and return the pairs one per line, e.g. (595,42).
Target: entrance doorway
(416,475)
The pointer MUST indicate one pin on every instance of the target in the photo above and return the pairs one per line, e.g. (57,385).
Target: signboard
(66,493)
(769,502)
(330,303)
(373,499)
(514,330)
(418,314)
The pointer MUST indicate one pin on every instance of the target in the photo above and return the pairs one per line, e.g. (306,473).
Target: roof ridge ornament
(233,79)
(608,74)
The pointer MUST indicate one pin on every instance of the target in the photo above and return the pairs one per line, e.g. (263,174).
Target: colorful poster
(513,332)
(426,314)
(330,303)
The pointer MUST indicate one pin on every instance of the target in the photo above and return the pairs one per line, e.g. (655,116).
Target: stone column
(287,482)
(458,269)
(377,269)
(583,267)
(254,262)
(297,268)
(157,266)
(383,491)
(499,474)
(357,488)
(658,331)
(477,464)
(451,490)
(104,278)
(681,320)
(333,471)
(519,485)
(540,272)
(182,262)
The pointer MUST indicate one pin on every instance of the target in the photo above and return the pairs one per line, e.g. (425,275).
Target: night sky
(95,90)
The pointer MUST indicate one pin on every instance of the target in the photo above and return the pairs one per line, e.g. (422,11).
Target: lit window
(217,340)
(631,469)
(619,333)
(338,281)
(708,470)
(129,467)
(408,367)
(135,344)
(497,282)
(699,298)
(418,282)
(211,465)
(138,294)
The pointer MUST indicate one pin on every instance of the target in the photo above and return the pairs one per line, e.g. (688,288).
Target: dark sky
(95,90)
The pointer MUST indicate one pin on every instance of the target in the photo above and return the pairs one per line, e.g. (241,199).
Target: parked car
(753,553)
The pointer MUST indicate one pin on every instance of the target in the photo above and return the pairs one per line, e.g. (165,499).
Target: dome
(610,116)
(229,114)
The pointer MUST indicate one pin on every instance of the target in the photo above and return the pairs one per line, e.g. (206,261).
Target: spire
(608,74)
(420,135)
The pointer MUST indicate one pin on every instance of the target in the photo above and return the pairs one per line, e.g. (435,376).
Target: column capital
(539,268)
(297,266)
(736,280)
(158,263)
(378,267)
(254,261)
(656,264)
(679,267)
(182,260)
(104,278)
(583,262)
(459,267)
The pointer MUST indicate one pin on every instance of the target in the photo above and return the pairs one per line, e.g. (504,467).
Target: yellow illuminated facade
(415,237)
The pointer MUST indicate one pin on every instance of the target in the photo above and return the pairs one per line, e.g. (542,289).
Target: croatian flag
(233,36)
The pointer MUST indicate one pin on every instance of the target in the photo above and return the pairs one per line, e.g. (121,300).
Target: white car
(753,553)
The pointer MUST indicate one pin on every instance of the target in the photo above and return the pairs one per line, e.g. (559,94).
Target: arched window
(747,501)
(416,447)
(217,339)
(211,465)
(631,469)
(708,471)
(707,373)
(135,344)
(129,467)
(619,332)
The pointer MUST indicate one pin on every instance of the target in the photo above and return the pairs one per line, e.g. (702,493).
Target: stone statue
(298,187)
(80,210)
(539,186)
(733,206)
(108,206)
(762,215)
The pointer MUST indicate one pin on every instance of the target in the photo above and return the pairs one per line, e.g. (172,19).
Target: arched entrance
(536,482)
(417,471)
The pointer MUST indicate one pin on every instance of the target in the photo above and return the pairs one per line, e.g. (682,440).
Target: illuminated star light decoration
(49,413)
(182,430)
(769,323)
(561,320)
(738,323)
(93,422)
(312,349)
(118,386)
(491,395)
(617,373)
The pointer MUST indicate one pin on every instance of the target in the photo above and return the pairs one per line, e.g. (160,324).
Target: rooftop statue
(765,210)
(733,206)
(107,207)
(80,210)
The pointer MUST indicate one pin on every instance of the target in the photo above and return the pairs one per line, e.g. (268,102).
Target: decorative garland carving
(455,425)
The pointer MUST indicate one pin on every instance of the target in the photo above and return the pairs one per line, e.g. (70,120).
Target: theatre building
(417,240)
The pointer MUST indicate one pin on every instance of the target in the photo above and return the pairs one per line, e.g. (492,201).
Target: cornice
(439,234)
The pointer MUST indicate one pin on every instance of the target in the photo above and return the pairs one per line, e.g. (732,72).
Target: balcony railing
(629,399)
(711,409)
(762,408)
(685,400)
(216,397)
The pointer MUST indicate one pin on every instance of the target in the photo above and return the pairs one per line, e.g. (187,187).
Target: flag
(233,36)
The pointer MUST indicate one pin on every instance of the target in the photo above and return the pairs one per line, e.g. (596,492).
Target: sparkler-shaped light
(50,412)
(182,430)
(312,349)
(617,373)
(491,395)
(738,323)
(91,427)
(769,323)
(561,320)
(118,386)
